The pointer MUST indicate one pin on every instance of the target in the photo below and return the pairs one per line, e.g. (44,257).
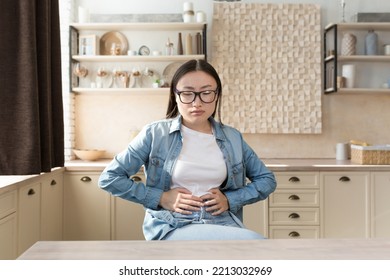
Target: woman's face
(195,115)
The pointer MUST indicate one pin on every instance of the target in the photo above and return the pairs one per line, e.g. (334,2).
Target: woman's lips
(197,112)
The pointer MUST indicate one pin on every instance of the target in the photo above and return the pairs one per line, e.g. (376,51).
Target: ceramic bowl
(90,155)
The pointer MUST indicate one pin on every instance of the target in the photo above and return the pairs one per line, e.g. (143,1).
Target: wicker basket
(379,155)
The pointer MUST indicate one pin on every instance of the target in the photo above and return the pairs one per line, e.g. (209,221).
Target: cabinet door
(256,217)
(8,242)
(8,226)
(128,217)
(86,208)
(51,207)
(345,201)
(29,216)
(380,206)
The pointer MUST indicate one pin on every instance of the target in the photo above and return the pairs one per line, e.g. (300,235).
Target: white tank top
(200,165)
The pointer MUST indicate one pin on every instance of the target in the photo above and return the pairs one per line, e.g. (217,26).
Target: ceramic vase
(371,43)
(348,44)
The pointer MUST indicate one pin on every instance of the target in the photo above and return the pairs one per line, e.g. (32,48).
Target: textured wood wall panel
(269,59)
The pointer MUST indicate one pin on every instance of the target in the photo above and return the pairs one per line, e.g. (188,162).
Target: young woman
(196,168)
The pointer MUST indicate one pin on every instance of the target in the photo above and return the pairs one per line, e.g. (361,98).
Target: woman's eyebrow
(192,88)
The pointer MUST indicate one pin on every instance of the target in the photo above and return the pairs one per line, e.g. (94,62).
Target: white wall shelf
(333,61)
(137,58)
(132,91)
(139,26)
(132,31)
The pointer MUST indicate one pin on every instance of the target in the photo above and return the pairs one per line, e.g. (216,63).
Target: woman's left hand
(215,202)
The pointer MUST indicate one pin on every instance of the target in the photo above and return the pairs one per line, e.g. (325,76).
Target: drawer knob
(53,183)
(294,216)
(294,179)
(294,234)
(31,192)
(86,179)
(344,179)
(136,178)
(294,197)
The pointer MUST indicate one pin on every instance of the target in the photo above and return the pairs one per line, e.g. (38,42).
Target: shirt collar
(217,127)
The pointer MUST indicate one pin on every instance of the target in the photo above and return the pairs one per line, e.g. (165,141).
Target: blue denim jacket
(157,147)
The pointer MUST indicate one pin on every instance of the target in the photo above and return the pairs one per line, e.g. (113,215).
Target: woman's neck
(201,127)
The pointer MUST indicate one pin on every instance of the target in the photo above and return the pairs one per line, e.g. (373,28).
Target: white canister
(188,6)
(83,15)
(188,16)
(188,12)
(349,72)
(342,151)
(386,49)
(200,16)
(131,52)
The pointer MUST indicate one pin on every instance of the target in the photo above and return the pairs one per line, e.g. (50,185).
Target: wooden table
(269,249)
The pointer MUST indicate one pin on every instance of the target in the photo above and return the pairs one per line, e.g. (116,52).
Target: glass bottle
(169,48)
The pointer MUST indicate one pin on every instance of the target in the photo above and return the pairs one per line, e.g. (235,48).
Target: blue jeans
(204,226)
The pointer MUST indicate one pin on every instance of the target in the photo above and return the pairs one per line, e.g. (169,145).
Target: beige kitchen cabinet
(127,217)
(91,213)
(87,208)
(8,225)
(345,204)
(380,206)
(294,207)
(52,206)
(29,216)
(255,217)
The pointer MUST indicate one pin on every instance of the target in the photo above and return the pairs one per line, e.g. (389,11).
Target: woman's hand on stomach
(180,200)
(215,202)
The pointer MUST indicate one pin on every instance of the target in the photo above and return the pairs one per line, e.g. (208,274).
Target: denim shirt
(157,147)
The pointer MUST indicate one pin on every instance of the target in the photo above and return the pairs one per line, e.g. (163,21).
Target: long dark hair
(192,66)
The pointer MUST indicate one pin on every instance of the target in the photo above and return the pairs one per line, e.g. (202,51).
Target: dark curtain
(31,111)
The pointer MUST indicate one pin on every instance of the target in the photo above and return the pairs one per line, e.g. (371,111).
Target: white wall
(331,8)
(345,117)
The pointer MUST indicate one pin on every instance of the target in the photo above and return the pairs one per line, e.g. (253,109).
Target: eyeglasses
(187,97)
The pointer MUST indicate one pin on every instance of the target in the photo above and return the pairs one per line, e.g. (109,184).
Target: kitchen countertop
(8,181)
(268,249)
(272,164)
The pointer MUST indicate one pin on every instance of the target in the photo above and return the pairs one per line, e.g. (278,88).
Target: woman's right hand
(180,200)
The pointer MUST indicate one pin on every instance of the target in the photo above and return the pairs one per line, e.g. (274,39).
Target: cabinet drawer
(297,216)
(297,179)
(296,232)
(7,203)
(295,198)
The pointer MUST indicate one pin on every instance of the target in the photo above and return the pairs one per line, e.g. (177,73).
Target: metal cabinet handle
(31,192)
(294,197)
(344,179)
(53,183)
(294,216)
(294,179)
(294,234)
(136,178)
(86,179)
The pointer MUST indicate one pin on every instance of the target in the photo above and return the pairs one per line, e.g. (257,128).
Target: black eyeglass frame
(197,94)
